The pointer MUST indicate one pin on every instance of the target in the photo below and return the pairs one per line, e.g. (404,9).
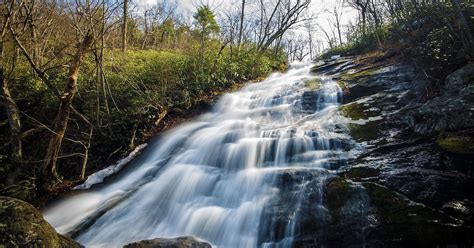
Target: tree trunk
(241,27)
(145,31)
(13,113)
(49,165)
(124,25)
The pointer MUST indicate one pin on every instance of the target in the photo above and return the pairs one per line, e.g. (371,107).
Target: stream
(237,176)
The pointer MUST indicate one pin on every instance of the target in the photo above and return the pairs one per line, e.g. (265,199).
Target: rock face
(452,110)
(180,242)
(21,225)
(414,178)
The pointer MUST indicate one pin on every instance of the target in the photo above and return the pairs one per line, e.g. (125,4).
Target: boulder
(180,242)
(461,77)
(452,110)
(22,225)
(448,112)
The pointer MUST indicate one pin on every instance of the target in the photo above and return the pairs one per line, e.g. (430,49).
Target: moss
(406,222)
(357,75)
(365,132)
(456,144)
(313,84)
(337,193)
(343,85)
(355,111)
(21,225)
(393,208)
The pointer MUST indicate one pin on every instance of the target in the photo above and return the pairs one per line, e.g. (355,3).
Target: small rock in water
(180,242)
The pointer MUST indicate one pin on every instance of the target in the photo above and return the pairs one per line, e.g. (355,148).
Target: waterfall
(235,177)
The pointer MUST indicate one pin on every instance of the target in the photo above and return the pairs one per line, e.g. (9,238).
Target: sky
(317,7)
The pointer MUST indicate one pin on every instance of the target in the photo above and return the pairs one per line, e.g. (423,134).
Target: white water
(213,177)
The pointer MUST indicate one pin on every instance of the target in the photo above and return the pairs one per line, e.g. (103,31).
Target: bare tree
(362,7)
(336,13)
(284,15)
(124,25)
(241,26)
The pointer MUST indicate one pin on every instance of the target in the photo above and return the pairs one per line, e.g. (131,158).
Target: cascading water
(236,177)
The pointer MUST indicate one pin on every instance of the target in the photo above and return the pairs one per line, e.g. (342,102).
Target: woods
(84,82)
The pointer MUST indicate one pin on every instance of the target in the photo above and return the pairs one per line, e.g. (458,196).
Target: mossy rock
(22,225)
(313,84)
(403,222)
(391,207)
(343,85)
(357,111)
(365,132)
(354,111)
(361,173)
(337,192)
(364,73)
(456,144)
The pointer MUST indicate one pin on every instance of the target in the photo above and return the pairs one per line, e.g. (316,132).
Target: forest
(86,83)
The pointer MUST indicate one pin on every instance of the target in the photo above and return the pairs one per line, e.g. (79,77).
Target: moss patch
(355,111)
(21,225)
(358,75)
(406,222)
(344,87)
(337,193)
(393,208)
(456,144)
(365,132)
(313,84)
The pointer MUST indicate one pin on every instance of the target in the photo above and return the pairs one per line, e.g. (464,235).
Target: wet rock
(365,132)
(350,211)
(296,209)
(361,174)
(337,192)
(403,222)
(180,242)
(412,185)
(312,84)
(332,65)
(22,225)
